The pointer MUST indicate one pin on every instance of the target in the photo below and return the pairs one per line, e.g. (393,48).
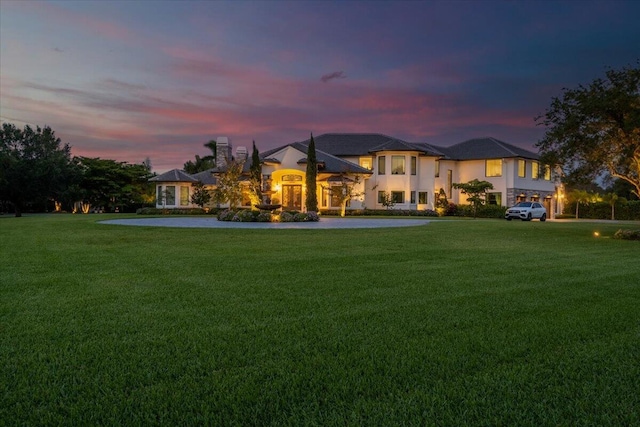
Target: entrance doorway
(292,197)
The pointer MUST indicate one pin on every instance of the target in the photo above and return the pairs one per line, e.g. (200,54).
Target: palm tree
(579,196)
(611,198)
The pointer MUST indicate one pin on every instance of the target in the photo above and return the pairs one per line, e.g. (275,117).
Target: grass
(481,322)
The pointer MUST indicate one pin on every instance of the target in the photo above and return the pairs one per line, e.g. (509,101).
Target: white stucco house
(412,173)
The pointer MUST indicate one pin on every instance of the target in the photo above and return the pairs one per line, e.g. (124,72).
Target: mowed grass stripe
(454,323)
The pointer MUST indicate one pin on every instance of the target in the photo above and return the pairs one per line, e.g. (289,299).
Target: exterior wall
(162,201)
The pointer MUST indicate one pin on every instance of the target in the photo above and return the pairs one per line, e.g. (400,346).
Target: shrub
(627,234)
(226,215)
(264,217)
(156,211)
(287,217)
(245,215)
(312,216)
(381,212)
(484,211)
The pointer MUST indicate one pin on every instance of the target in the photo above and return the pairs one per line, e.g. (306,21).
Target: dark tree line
(38,173)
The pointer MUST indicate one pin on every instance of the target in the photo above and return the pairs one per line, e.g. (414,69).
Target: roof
(330,162)
(174,175)
(485,148)
(205,177)
(364,144)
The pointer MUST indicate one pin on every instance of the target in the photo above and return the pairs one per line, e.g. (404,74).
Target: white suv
(526,211)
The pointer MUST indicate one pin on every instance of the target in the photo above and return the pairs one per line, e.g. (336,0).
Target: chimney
(242,154)
(223,151)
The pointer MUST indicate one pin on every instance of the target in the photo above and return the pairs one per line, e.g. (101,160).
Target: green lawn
(481,322)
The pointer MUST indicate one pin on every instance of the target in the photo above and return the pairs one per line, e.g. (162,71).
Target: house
(380,166)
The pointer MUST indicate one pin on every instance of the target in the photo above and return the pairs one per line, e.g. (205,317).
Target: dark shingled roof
(364,144)
(174,175)
(485,148)
(331,163)
(206,177)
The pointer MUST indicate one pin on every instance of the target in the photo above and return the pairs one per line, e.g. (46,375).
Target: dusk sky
(127,80)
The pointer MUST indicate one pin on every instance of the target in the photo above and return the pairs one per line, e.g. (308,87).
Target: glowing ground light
(596,234)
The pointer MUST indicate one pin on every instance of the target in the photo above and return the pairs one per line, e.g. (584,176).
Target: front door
(292,197)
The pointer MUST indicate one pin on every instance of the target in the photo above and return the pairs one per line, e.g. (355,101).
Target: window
(494,199)
(535,170)
(397,165)
(381,197)
(365,162)
(381,165)
(414,165)
(159,196)
(170,195)
(547,173)
(493,167)
(397,196)
(423,197)
(437,168)
(412,196)
(449,182)
(522,168)
(184,195)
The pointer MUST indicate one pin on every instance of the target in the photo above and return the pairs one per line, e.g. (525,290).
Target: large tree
(34,167)
(312,173)
(201,164)
(595,129)
(255,181)
(228,187)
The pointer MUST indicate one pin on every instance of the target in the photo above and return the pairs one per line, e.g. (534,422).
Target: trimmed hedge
(246,215)
(625,211)
(190,211)
(484,211)
(380,212)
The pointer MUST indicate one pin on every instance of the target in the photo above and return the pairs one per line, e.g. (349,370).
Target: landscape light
(596,234)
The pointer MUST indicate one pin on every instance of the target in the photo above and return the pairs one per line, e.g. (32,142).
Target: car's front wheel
(543,218)
(509,218)
(528,218)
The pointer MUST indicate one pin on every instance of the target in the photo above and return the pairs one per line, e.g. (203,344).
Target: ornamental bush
(226,215)
(245,215)
(627,234)
(312,216)
(287,217)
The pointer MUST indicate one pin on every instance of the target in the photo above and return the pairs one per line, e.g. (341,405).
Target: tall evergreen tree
(312,173)
(255,182)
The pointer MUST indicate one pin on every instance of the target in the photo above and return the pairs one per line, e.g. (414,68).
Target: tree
(579,196)
(612,199)
(596,129)
(201,196)
(202,164)
(255,180)
(34,167)
(107,183)
(345,190)
(386,200)
(311,200)
(476,190)
(229,189)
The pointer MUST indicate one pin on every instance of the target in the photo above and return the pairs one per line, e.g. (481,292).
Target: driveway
(324,223)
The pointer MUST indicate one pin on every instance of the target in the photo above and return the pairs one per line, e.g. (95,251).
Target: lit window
(522,168)
(535,170)
(170,195)
(397,196)
(365,162)
(493,167)
(414,165)
(412,197)
(423,197)
(184,195)
(397,165)
(547,173)
(382,165)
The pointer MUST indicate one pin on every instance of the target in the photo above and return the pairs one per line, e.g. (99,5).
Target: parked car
(526,211)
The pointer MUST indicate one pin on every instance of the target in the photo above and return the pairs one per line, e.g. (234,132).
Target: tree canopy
(595,129)
(201,164)
(476,190)
(34,166)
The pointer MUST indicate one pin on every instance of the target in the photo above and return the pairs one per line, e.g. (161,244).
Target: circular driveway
(324,223)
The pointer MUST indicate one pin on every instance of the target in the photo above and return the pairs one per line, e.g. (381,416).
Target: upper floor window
(522,168)
(382,160)
(535,170)
(547,173)
(365,162)
(414,165)
(397,165)
(437,168)
(493,167)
